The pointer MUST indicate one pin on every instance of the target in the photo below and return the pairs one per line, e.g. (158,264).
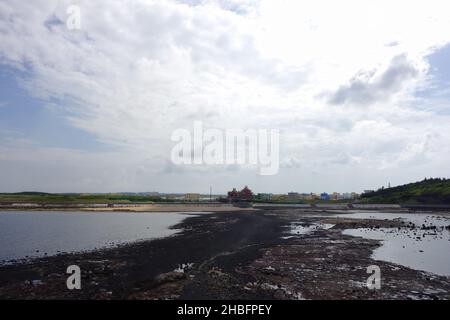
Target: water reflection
(422,244)
(35,234)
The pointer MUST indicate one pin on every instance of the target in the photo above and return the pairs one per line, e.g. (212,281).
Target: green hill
(41,197)
(428,191)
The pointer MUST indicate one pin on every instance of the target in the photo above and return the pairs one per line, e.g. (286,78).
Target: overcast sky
(358,89)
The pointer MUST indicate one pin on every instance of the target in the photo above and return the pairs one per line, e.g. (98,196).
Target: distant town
(428,191)
(246,194)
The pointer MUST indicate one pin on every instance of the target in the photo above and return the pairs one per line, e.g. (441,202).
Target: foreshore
(230,255)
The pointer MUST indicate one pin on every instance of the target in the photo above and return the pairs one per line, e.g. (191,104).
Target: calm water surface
(427,250)
(32,234)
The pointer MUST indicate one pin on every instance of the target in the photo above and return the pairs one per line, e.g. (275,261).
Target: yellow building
(192,197)
(311,196)
(280,197)
(335,196)
(355,195)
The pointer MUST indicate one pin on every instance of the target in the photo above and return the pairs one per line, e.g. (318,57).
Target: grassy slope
(428,191)
(37,197)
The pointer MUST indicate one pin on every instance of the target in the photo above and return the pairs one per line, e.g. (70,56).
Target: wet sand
(230,255)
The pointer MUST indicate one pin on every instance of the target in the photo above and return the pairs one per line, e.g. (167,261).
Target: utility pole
(210,194)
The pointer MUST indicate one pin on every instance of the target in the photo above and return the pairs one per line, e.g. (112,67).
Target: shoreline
(221,207)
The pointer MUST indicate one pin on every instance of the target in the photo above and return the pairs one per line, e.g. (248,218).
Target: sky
(359,91)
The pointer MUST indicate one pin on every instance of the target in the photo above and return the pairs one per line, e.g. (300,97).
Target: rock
(170,277)
(216,272)
(280,295)
(36,282)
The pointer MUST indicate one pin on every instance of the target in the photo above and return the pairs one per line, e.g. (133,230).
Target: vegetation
(39,197)
(428,191)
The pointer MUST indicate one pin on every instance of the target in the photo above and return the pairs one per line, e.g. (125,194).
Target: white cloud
(139,69)
(368,87)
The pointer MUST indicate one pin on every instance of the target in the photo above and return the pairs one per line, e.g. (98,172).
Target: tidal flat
(256,254)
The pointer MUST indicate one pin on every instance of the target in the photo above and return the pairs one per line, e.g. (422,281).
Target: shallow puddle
(423,244)
(297,229)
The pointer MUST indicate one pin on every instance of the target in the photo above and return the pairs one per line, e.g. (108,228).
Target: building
(280,197)
(233,194)
(309,196)
(264,196)
(313,196)
(195,197)
(304,196)
(324,196)
(293,196)
(244,195)
(171,197)
(348,196)
(335,196)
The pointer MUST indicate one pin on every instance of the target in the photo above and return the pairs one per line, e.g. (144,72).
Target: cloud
(369,87)
(138,70)
(242,7)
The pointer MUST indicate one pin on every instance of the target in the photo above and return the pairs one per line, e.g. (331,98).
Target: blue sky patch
(27,117)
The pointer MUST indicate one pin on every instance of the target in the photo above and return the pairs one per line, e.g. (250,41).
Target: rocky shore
(231,255)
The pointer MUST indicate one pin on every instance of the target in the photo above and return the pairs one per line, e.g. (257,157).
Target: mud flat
(266,254)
